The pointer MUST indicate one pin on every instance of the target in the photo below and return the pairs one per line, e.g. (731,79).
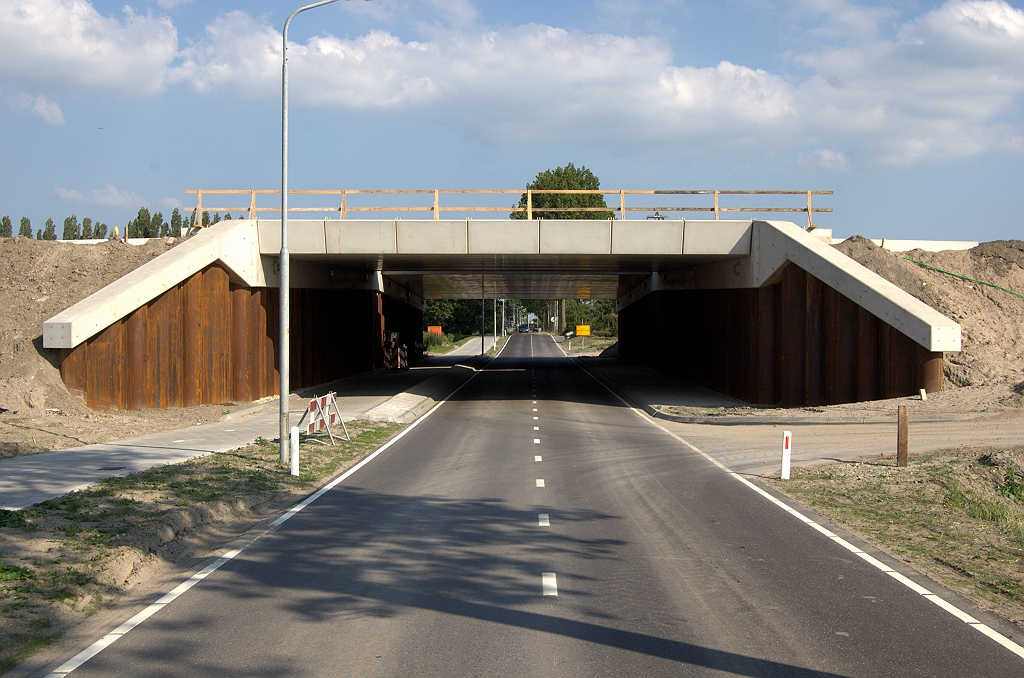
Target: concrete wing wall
(234,244)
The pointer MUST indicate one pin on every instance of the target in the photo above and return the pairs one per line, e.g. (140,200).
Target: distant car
(524,328)
(535,328)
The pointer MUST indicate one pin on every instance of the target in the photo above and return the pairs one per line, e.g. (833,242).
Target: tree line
(144,225)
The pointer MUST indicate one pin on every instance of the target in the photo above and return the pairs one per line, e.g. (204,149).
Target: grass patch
(957,515)
(82,551)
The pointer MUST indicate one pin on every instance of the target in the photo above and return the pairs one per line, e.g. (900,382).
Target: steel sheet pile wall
(798,342)
(209,341)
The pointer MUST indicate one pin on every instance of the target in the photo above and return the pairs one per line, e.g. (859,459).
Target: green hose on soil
(963,277)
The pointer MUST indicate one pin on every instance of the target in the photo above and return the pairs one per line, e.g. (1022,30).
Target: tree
(140,226)
(206,219)
(6,230)
(26,227)
(565,178)
(227,217)
(175,229)
(99,231)
(50,232)
(71,229)
(39,235)
(156,227)
(86,228)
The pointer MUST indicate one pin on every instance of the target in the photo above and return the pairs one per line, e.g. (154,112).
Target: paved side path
(755,447)
(398,397)
(472,347)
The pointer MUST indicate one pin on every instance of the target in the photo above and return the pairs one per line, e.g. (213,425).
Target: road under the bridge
(534,525)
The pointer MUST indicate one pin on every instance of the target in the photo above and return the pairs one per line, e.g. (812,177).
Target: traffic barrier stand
(403,357)
(321,417)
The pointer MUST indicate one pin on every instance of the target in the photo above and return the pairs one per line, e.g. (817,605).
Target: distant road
(534,526)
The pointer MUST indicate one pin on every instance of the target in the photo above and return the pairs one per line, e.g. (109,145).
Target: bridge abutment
(796,342)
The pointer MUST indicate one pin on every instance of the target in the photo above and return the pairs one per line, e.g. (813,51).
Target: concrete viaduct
(760,310)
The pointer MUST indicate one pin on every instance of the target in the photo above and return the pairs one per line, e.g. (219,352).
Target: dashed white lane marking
(542,520)
(549,584)
(104,642)
(177,441)
(536,441)
(982,628)
(229,430)
(535,402)
(538,457)
(536,428)
(540,482)
(535,409)
(536,418)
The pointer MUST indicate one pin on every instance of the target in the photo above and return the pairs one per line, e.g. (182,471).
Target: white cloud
(68,194)
(826,158)
(170,203)
(947,86)
(171,4)
(497,84)
(109,195)
(49,111)
(56,46)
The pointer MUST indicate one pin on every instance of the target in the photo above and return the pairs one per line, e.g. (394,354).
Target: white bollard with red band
(787,453)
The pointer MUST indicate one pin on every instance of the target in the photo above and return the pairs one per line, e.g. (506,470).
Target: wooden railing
(342,207)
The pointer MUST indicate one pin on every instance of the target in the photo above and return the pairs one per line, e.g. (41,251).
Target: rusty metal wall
(798,342)
(210,341)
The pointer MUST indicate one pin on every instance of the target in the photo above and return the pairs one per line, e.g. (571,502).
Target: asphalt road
(435,558)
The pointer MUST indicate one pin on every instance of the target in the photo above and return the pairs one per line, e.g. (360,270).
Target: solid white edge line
(101,644)
(877,564)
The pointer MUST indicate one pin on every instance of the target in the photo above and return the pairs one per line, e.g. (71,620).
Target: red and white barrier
(321,415)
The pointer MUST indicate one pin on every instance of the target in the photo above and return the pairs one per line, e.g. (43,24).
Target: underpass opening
(761,311)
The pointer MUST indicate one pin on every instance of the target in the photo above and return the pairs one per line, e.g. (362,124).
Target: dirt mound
(38,280)
(990,318)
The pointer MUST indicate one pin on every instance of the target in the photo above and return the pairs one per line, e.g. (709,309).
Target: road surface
(534,526)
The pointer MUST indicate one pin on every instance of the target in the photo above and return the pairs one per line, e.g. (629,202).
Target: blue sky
(909,111)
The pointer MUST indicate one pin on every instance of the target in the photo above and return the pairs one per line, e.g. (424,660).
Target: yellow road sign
(583,330)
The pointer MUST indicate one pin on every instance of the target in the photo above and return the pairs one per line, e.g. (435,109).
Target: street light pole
(284,318)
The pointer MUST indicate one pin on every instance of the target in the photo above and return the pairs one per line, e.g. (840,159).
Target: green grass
(957,515)
(80,533)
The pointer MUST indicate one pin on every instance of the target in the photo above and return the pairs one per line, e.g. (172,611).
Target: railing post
(716,205)
(252,204)
(622,205)
(436,210)
(529,204)
(809,224)
(344,204)
(199,215)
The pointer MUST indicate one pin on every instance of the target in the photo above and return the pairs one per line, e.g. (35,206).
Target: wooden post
(716,205)
(436,210)
(252,204)
(810,226)
(622,205)
(529,204)
(902,430)
(344,204)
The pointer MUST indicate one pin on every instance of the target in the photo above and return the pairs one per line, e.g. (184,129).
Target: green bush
(431,339)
